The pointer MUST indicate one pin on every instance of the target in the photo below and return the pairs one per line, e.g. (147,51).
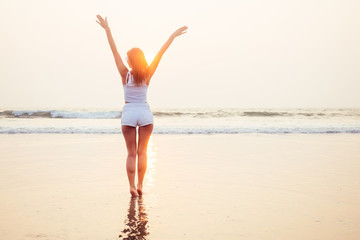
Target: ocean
(185,121)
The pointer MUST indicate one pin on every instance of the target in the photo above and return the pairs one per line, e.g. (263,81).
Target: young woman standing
(136,111)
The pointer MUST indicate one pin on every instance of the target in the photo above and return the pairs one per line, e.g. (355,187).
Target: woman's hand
(103,23)
(180,31)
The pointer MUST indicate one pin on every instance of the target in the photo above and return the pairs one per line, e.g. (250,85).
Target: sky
(247,54)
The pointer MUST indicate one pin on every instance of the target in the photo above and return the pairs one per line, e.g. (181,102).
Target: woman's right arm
(119,63)
(161,52)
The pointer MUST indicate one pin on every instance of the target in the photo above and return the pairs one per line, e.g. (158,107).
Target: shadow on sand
(136,221)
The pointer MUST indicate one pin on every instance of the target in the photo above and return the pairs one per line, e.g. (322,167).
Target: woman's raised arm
(119,63)
(159,55)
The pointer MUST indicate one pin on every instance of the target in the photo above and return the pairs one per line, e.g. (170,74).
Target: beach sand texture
(240,186)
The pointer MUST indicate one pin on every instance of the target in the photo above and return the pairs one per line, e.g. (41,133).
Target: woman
(136,111)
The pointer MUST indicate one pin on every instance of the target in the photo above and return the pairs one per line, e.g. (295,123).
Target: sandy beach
(240,186)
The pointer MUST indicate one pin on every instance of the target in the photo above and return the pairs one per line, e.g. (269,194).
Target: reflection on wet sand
(136,221)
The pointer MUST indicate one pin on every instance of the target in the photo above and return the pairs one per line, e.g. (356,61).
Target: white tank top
(133,93)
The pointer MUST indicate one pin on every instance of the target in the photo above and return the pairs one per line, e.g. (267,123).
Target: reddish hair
(139,66)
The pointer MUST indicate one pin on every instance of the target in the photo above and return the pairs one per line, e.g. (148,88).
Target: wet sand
(244,186)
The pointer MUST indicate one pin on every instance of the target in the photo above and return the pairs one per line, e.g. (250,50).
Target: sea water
(185,121)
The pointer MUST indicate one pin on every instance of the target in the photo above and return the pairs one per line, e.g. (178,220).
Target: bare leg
(144,136)
(130,139)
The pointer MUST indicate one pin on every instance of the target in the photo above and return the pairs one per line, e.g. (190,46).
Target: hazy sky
(258,53)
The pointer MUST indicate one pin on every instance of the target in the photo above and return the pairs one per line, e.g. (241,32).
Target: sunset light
(182,120)
(149,57)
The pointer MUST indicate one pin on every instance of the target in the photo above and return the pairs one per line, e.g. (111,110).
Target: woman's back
(133,93)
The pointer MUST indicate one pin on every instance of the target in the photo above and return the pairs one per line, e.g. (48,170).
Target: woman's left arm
(119,63)
(157,58)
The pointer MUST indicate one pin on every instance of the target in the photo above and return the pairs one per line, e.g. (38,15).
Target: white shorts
(136,114)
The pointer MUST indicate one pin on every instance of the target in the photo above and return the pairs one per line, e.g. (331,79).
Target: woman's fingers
(102,22)
(100,18)
(99,23)
(181,31)
(182,28)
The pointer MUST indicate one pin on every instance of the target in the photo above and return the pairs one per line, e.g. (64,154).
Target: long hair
(139,65)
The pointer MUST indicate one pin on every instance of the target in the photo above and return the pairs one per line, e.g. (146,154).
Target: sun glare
(149,57)
(150,164)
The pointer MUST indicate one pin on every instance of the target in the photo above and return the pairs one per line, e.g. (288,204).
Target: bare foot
(139,189)
(133,192)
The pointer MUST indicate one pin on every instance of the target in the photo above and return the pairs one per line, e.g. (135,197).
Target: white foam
(86,114)
(179,130)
